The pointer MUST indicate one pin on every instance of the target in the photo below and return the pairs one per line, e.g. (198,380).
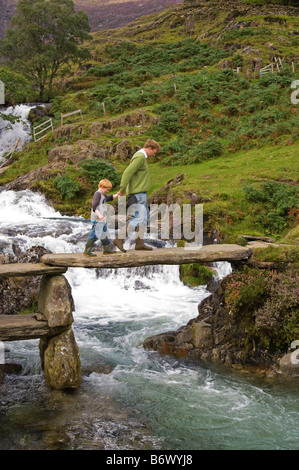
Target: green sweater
(136,178)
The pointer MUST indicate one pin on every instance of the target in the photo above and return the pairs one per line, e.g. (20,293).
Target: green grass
(223,181)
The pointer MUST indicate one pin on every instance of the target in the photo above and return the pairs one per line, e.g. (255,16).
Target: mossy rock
(195,274)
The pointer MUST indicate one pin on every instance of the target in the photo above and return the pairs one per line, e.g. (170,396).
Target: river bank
(218,336)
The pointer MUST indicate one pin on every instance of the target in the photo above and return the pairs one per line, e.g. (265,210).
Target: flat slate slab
(28,269)
(16,327)
(26,326)
(133,258)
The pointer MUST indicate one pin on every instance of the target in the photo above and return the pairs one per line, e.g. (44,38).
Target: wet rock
(55,301)
(61,361)
(39,112)
(20,293)
(210,337)
(289,364)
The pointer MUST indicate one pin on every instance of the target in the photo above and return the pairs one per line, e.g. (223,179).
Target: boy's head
(105,185)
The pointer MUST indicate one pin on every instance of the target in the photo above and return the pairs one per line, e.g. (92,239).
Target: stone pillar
(60,353)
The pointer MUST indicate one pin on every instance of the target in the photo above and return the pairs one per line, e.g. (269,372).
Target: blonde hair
(105,184)
(151,143)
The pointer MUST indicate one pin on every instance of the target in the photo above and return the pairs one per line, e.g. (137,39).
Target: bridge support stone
(60,356)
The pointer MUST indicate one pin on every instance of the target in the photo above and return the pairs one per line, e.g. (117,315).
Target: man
(135,182)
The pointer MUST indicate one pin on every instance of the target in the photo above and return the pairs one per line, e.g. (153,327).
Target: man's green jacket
(136,177)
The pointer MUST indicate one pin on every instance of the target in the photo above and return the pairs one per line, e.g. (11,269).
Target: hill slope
(170,76)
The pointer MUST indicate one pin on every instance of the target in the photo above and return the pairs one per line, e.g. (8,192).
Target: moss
(277,254)
(195,274)
(264,306)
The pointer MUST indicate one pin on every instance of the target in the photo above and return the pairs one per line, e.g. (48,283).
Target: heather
(265,306)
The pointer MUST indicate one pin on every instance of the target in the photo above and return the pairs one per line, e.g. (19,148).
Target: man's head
(151,147)
(105,186)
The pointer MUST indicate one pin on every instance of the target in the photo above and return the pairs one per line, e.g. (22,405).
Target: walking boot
(140,245)
(109,248)
(119,243)
(120,237)
(88,248)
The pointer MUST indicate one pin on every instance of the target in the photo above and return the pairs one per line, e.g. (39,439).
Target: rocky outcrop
(136,119)
(212,337)
(72,154)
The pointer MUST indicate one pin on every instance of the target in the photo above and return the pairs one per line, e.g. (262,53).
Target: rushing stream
(131,398)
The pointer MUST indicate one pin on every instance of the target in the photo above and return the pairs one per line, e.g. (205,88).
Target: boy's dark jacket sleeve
(97,197)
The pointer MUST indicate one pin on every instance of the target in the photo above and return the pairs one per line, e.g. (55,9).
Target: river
(131,398)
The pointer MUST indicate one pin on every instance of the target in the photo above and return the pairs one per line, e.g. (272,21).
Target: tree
(44,36)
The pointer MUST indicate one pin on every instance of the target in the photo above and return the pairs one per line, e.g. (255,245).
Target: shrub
(209,149)
(276,203)
(266,303)
(98,169)
(68,186)
(277,321)
(245,291)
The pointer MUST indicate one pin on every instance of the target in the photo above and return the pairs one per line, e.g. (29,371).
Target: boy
(98,217)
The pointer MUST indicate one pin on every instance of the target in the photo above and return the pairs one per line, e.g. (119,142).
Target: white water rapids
(130,398)
(19,127)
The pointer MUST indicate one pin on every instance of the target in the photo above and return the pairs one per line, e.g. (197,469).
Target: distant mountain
(7,8)
(103,14)
(110,14)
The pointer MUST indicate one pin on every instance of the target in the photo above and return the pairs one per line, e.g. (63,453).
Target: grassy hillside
(233,135)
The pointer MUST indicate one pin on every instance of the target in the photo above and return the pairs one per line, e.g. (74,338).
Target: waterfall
(17,127)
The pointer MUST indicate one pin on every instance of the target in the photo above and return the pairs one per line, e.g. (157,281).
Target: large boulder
(61,361)
(55,301)
(289,364)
